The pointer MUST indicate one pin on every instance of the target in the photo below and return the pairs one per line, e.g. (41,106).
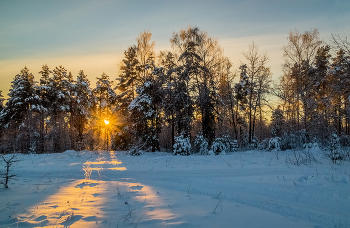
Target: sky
(92,35)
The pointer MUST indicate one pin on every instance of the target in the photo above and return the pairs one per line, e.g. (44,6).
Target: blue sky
(92,35)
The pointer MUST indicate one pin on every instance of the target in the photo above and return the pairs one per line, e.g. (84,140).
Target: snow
(139,100)
(241,189)
(147,84)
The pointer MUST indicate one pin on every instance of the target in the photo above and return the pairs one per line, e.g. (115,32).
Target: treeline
(314,91)
(187,93)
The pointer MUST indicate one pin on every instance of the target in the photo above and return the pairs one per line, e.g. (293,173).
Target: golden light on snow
(102,164)
(106,122)
(92,203)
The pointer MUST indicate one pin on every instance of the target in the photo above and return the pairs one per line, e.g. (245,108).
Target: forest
(187,100)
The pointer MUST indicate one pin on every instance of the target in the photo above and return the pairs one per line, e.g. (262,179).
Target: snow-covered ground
(241,189)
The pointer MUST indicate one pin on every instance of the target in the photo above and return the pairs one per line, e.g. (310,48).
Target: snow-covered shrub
(218,146)
(264,144)
(245,141)
(88,170)
(334,149)
(274,143)
(201,145)
(294,140)
(235,145)
(254,143)
(287,141)
(345,153)
(344,141)
(182,146)
(231,145)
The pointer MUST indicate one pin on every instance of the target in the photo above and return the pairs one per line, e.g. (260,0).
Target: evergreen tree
(104,100)
(340,81)
(1,101)
(277,122)
(82,104)
(59,107)
(43,91)
(241,92)
(168,61)
(185,42)
(129,80)
(146,109)
(319,98)
(17,115)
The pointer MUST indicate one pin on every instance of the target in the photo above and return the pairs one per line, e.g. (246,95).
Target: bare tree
(144,50)
(259,79)
(9,161)
(340,42)
(301,47)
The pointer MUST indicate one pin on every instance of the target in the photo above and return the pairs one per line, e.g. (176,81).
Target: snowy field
(241,189)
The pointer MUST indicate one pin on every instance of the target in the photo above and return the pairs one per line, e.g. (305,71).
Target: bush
(201,145)
(182,146)
(254,143)
(274,143)
(218,146)
(334,150)
(345,153)
(294,140)
(231,145)
(344,141)
(337,148)
(301,157)
(264,144)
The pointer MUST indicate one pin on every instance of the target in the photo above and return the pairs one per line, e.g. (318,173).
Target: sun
(106,122)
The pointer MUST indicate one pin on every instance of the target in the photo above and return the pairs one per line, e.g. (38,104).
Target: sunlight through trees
(188,92)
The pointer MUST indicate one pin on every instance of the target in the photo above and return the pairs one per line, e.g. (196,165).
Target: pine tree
(1,108)
(104,100)
(319,96)
(340,81)
(277,122)
(185,42)
(43,91)
(182,146)
(59,108)
(146,109)
(82,105)
(17,115)
(241,92)
(129,80)
(168,61)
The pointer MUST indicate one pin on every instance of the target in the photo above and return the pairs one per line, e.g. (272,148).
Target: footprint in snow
(82,185)
(40,218)
(136,187)
(90,218)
